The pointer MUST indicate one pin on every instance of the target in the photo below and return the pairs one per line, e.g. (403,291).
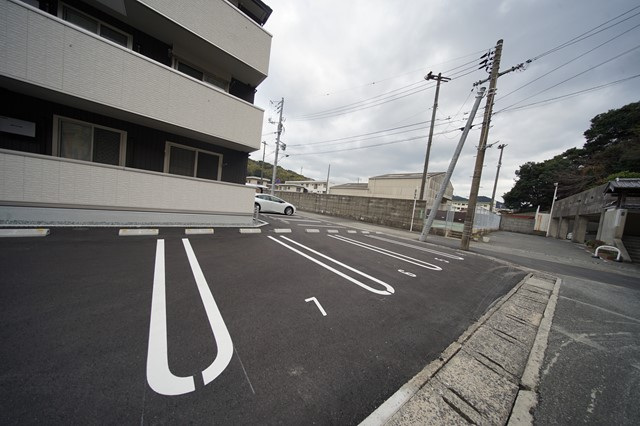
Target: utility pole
(553,202)
(428,221)
(482,145)
(438,78)
(279,108)
(328,171)
(495,185)
(264,150)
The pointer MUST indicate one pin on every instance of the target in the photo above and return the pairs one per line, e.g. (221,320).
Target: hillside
(253,169)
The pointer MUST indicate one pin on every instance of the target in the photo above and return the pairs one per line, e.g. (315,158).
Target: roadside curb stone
(479,377)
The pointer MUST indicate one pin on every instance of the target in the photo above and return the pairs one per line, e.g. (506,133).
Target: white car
(268,203)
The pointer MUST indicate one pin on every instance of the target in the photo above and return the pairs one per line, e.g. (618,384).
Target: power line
(367,134)
(382,98)
(569,95)
(375,145)
(570,61)
(571,78)
(584,35)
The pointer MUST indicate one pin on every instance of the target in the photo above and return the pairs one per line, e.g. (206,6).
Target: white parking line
(389,290)
(159,376)
(400,243)
(389,253)
(220,332)
(38,232)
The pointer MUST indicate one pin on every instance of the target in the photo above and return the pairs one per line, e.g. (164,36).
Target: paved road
(227,328)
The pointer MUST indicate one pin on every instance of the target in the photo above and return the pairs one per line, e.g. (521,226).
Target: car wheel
(257,206)
(288,211)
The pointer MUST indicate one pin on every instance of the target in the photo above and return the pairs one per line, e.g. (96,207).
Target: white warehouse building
(129,111)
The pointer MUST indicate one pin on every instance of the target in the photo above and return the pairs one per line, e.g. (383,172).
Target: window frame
(207,77)
(101,23)
(57,145)
(167,160)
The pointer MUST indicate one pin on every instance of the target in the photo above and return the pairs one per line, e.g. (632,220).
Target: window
(201,75)
(88,142)
(95,26)
(186,161)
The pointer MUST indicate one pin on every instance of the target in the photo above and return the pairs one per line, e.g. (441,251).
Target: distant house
(313,186)
(404,186)
(256,180)
(463,205)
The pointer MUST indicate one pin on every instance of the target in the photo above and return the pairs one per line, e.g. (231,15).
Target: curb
(478,377)
(527,399)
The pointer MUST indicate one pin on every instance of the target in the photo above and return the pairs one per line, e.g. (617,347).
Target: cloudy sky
(352,77)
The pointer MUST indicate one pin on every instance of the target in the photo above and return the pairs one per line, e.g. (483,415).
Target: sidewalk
(560,348)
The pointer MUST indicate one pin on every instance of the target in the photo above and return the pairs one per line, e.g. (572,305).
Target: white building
(404,186)
(129,110)
(312,186)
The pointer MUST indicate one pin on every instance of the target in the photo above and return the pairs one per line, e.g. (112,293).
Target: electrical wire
(584,35)
(570,78)
(570,61)
(376,145)
(382,98)
(569,95)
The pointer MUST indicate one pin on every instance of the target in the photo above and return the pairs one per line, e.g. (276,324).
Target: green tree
(612,146)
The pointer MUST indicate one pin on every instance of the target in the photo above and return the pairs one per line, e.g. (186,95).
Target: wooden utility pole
(495,185)
(438,78)
(482,146)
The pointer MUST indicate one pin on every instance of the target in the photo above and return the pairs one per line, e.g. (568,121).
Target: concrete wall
(43,181)
(385,211)
(45,51)
(517,223)
(612,226)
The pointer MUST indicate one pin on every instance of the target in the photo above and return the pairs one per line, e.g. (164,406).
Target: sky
(352,75)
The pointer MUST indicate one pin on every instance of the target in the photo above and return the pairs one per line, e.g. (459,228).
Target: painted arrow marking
(313,299)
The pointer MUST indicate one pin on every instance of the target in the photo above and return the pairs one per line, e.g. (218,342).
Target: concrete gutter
(479,377)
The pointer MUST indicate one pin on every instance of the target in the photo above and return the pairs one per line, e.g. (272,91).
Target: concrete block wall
(518,223)
(381,211)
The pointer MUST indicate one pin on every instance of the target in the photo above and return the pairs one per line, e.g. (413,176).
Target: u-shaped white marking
(159,376)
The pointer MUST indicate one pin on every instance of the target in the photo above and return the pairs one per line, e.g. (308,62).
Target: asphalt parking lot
(305,322)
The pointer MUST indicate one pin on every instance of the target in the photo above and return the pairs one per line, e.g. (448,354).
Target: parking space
(233,328)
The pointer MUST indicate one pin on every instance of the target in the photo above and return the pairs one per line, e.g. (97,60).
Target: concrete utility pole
(428,221)
(482,146)
(279,108)
(264,150)
(553,202)
(328,171)
(438,78)
(495,185)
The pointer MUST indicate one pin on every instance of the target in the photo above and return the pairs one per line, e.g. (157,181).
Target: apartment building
(129,111)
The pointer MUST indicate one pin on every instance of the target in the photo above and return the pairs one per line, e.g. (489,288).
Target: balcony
(218,23)
(46,57)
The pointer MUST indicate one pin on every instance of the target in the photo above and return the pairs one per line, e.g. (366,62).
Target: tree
(612,146)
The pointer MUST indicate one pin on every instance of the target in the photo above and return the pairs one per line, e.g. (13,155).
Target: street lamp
(555,191)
